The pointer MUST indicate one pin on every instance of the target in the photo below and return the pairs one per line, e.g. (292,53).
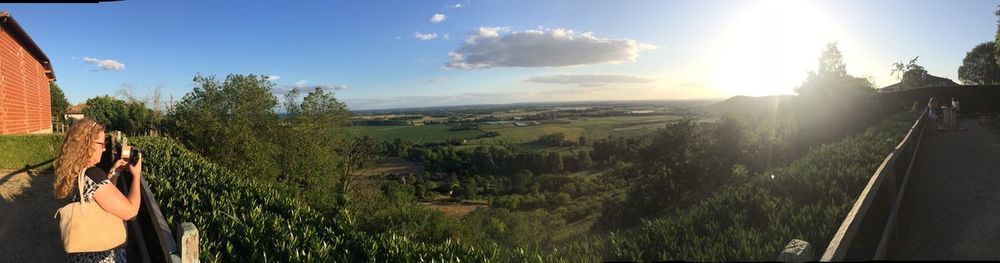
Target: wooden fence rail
(865,232)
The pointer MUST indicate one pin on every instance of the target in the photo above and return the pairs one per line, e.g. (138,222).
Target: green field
(590,128)
(417,134)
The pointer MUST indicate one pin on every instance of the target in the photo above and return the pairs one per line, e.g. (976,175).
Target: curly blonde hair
(74,154)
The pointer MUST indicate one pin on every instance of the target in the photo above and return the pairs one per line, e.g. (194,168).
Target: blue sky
(384,54)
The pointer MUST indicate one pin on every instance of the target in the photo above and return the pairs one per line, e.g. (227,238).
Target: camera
(121,150)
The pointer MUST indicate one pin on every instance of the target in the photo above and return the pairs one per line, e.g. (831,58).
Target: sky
(391,54)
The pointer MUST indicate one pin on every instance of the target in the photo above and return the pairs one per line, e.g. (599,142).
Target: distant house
(931,81)
(76,111)
(25,73)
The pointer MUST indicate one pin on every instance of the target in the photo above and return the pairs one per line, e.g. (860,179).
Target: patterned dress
(95,178)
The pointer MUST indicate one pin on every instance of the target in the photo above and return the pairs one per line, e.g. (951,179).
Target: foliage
(911,75)
(996,40)
(553,139)
(752,219)
(28,150)
(231,122)
(831,103)
(416,134)
(242,220)
(979,66)
(59,103)
(308,140)
(132,118)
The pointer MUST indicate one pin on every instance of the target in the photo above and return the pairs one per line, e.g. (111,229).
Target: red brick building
(25,73)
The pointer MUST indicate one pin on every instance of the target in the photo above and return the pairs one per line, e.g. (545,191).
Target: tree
(231,122)
(132,118)
(996,41)
(58,100)
(831,103)
(111,112)
(979,66)
(910,75)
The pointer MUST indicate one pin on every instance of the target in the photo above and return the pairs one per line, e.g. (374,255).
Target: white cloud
(456,6)
(105,64)
(425,37)
(487,48)
(272,77)
(446,37)
(589,80)
(437,18)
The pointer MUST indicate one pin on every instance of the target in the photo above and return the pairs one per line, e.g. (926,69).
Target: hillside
(751,106)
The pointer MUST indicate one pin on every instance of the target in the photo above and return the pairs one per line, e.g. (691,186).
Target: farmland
(415,134)
(590,128)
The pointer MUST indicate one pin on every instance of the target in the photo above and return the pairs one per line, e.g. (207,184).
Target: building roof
(931,81)
(11,26)
(77,109)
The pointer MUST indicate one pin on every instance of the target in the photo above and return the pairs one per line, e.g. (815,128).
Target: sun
(770,47)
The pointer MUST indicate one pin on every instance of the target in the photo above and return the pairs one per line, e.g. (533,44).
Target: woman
(932,109)
(81,151)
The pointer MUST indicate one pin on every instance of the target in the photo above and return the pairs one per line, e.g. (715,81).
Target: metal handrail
(883,183)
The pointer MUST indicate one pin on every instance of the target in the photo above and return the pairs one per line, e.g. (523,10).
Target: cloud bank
(589,80)
(487,48)
(105,64)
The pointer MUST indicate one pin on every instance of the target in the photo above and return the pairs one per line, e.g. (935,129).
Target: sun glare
(770,47)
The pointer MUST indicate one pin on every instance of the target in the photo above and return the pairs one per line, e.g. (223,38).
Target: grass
(590,128)
(28,150)
(416,134)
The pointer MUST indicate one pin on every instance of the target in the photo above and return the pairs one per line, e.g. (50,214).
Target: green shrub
(19,151)
(243,220)
(753,219)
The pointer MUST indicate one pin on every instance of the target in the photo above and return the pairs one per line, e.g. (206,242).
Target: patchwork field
(417,134)
(590,128)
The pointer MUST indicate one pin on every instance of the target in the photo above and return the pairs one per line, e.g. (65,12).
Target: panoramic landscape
(498,131)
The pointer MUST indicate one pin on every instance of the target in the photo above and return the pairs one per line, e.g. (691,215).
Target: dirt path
(951,210)
(28,233)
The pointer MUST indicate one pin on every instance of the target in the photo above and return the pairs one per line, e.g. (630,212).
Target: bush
(243,220)
(753,219)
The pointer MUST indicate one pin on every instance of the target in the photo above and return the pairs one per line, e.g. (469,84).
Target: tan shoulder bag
(86,227)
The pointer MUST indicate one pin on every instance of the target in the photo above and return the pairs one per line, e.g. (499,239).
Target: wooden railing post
(187,240)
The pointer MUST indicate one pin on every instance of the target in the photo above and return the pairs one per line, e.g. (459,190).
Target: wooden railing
(149,236)
(867,229)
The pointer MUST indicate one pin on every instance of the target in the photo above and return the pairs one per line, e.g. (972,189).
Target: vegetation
(21,151)
(979,66)
(624,189)
(751,219)
(58,101)
(132,117)
(416,134)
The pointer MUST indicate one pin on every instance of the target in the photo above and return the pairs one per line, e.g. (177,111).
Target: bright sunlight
(770,47)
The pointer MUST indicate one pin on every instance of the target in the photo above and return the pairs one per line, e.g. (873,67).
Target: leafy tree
(996,41)
(911,75)
(111,112)
(552,139)
(309,142)
(979,66)
(231,122)
(831,103)
(132,118)
(58,101)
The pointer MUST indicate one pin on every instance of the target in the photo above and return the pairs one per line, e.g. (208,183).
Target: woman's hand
(118,166)
(136,169)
